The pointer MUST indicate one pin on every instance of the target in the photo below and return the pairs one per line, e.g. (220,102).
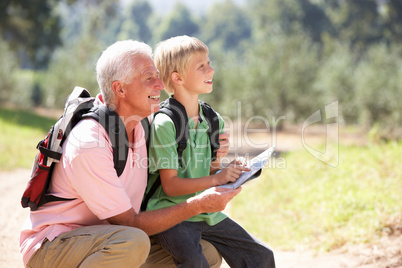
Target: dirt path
(386,253)
(12,215)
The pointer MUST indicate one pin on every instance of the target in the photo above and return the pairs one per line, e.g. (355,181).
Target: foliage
(307,204)
(96,20)
(336,79)
(276,78)
(378,82)
(226,25)
(179,22)
(7,69)
(272,58)
(22,88)
(32,29)
(71,67)
(290,16)
(137,17)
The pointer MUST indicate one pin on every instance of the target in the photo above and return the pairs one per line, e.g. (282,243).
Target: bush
(70,67)
(378,86)
(8,67)
(335,79)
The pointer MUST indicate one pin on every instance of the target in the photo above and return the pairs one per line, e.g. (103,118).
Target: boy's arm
(223,145)
(175,186)
(222,152)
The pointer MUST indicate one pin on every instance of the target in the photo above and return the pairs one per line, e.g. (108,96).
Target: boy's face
(199,74)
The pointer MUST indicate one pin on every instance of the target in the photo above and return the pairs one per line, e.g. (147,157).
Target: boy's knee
(190,257)
(191,260)
(268,257)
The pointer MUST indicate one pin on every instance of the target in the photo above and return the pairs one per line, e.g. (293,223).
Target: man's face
(143,92)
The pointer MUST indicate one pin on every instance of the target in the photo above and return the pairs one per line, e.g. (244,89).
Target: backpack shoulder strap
(176,111)
(146,125)
(116,130)
(213,131)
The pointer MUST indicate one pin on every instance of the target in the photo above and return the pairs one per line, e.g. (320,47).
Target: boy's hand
(223,145)
(231,173)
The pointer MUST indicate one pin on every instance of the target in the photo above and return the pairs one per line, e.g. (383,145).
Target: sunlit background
(277,61)
(279,57)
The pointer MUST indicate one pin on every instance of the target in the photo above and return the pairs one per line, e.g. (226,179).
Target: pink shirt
(86,172)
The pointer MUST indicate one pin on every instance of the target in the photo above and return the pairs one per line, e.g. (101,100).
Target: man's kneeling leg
(94,246)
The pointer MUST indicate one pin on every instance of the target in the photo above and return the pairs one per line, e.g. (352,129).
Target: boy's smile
(198,78)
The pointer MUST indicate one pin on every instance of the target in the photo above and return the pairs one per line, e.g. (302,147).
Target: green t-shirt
(196,160)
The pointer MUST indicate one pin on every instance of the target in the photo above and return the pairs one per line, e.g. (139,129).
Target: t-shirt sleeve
(163,146)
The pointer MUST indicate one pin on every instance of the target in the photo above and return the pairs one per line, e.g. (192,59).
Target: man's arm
(152,222)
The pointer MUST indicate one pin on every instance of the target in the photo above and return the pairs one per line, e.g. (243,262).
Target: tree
(378,86)
(290,16)
(227,25)
(178,22)
(71,66)
(336,80)
(136,22)
(98,19)
(31,28)
(391,18)
(7,69)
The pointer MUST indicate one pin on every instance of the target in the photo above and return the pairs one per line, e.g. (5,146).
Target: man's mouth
(155,97)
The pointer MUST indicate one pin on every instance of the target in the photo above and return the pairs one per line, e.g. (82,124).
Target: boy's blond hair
(173,55)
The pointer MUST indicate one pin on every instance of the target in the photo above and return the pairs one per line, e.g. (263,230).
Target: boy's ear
(118,88)
(176,78)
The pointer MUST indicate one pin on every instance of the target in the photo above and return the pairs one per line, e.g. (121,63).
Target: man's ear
(118,88)
(176,78)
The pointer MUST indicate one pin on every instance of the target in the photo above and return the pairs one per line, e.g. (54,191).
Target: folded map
(256,164)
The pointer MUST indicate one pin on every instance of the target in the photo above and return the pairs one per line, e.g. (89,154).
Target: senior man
(103,226)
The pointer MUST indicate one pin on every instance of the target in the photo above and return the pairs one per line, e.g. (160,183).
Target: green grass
(299,202)
(307,204)
(20,131)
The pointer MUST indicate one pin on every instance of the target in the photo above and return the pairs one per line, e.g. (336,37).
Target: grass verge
(299,202)
(20,131)
(308,204)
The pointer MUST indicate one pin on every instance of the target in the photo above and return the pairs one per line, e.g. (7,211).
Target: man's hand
(213,200)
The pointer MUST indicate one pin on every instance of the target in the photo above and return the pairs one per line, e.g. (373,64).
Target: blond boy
(185,70)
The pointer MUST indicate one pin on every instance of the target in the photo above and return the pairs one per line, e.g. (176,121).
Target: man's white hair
(117,63)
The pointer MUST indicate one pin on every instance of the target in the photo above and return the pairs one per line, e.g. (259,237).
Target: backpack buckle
(182,145)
